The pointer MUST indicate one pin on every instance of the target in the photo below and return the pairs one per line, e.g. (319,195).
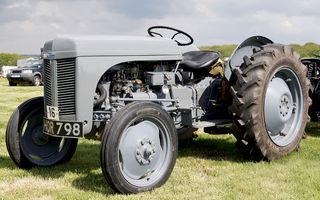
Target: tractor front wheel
(26,143)
(139,148)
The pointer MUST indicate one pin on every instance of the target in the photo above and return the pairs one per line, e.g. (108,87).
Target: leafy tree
(307,50)
(224,50)
(9,59)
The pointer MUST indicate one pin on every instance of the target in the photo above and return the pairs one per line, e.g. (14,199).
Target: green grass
(210,168)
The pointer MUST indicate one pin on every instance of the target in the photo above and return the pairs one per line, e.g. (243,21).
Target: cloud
(140,9)
(27,24)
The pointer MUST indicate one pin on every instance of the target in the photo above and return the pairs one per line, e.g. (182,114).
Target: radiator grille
(48,83)
(16,71)
(60,85)
(66,86)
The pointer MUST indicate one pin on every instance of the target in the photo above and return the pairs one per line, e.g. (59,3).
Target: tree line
(9,59)
(307,50)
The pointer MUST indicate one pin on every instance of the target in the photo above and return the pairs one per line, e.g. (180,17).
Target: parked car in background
(6,70)
(32,73)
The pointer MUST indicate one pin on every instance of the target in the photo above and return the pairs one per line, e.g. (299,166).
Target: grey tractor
(140,95)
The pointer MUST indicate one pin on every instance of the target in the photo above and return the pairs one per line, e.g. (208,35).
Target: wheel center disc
(142,150)
(285,107)
(38,137)
(278,106)
(145,151)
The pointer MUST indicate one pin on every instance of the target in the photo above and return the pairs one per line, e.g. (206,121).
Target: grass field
(211,168)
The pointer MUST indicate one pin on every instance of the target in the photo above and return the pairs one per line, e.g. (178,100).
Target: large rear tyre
(270,102)
(139,148)
(26,143)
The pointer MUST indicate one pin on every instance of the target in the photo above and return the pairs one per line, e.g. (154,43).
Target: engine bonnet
(77,46)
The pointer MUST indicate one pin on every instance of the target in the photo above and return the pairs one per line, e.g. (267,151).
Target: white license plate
(15,76)
(53,113)
(63,128)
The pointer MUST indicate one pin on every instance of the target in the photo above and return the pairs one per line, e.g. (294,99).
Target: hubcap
(283,97)
(278,105)
(38,137)
(144,151)
(285,106)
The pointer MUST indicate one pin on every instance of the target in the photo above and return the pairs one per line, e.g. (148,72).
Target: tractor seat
(194,60)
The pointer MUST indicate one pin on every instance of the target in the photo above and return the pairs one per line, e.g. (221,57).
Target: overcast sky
(26,24)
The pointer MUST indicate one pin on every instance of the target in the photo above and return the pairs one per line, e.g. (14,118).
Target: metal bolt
(282,133)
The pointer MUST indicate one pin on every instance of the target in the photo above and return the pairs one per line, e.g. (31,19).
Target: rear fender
(244,49)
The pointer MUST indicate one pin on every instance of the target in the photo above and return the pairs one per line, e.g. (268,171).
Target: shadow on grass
(6,162)
(214,147)
(85,164)
(313,129)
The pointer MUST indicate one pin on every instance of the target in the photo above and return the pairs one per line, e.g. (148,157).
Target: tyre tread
(246,96)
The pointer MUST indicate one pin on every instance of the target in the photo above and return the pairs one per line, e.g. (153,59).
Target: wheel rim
(283,106)
(36,81)
(144,151)
(39,148)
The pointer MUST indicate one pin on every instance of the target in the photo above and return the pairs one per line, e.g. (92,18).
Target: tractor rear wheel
(270,102)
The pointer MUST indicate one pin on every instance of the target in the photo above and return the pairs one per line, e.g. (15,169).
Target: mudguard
(244,49)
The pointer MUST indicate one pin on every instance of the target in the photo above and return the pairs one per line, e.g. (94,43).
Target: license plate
(15,76)
(62,128)
(53,113)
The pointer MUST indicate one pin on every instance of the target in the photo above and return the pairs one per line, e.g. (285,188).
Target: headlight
(27,71)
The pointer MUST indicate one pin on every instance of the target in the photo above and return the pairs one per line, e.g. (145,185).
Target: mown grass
(209,168)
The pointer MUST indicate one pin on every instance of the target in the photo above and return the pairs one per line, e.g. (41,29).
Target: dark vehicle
(31,73)
(313,74)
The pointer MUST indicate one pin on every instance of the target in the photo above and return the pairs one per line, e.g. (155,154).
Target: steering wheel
(153,33)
